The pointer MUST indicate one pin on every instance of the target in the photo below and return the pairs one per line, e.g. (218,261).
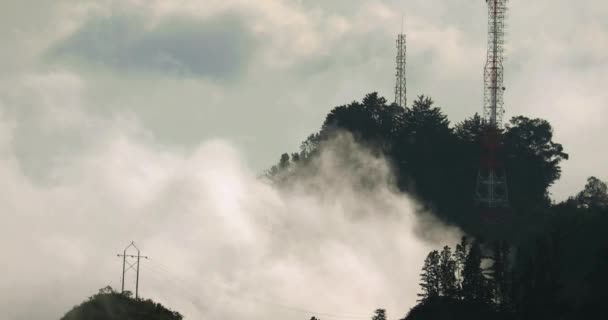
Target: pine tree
(379,314)
(447,273)
(474,284)
(460,256)
(499,272)
(429,278)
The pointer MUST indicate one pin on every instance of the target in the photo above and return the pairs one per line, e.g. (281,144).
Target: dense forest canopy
(540,260)
(108,304)
(437,162)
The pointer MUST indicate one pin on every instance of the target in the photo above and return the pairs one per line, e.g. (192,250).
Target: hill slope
(111,305)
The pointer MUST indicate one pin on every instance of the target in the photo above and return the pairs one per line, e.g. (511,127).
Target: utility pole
(132,266)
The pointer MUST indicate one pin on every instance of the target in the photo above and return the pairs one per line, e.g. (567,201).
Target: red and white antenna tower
(491,191)
(400,83)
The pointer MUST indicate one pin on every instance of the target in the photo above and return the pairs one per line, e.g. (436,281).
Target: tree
(309,146)
(284,162)
(429,278)
(594,196)
(536,287)
(447,274)
(500,274)
(474,284)
(471,130)
(108,304)
(379,314)
(372,122)
(532,162)
(438,164)
(460,256)
(424,151)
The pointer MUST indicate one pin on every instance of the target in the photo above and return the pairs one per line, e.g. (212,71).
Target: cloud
(311,55)
(218,47)
(222,243)
(110,113)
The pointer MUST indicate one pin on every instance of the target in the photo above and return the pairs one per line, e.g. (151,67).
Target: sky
(263,74)
(102,102)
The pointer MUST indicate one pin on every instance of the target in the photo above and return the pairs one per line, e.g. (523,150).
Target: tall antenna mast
(400,83)
(491,192)
(493,71)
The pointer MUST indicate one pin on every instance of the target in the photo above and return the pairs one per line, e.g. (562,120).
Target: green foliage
(438,163)
(111,305)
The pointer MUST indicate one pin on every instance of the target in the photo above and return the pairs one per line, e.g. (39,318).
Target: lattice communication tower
(491,191)
(400,83)
(493,71)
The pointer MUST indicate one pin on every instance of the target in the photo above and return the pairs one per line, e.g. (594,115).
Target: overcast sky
(263,74)
(79,79)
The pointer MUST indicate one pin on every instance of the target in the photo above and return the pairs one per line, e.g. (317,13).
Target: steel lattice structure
(400,83)
(491,190)
(493,71)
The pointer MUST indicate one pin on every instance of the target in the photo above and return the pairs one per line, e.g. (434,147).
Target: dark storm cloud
(219,47)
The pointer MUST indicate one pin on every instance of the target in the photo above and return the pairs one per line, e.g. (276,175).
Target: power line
(256,300)
(185,292)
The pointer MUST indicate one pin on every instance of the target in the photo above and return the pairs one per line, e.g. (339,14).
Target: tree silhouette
(474,284)
(532,161)
(447,274)
(108,304)
(430,276)
(543,261)
(436,163)
(594,196)
(500,273)
(460,256)
(379,314)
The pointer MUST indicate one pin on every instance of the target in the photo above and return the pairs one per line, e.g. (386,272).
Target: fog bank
(222,242)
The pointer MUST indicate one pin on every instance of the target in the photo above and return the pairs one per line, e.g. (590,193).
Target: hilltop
(108,304)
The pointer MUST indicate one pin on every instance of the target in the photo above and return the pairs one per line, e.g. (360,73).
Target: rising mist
(223,242)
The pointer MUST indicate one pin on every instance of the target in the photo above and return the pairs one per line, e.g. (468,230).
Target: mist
(222,242)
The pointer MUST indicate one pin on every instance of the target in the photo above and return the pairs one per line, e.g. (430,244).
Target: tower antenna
(400,83)
(491,191)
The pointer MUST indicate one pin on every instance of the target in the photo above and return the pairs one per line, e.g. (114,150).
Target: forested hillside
(538,260)
(111,305)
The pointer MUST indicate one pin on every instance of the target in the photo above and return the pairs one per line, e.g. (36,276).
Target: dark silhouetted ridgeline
(111,305)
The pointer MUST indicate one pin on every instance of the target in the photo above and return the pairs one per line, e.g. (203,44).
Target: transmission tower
(127,260)
(400,84)
(491,191)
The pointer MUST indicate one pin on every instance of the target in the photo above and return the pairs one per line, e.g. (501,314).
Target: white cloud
(89,152)
(205,218)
